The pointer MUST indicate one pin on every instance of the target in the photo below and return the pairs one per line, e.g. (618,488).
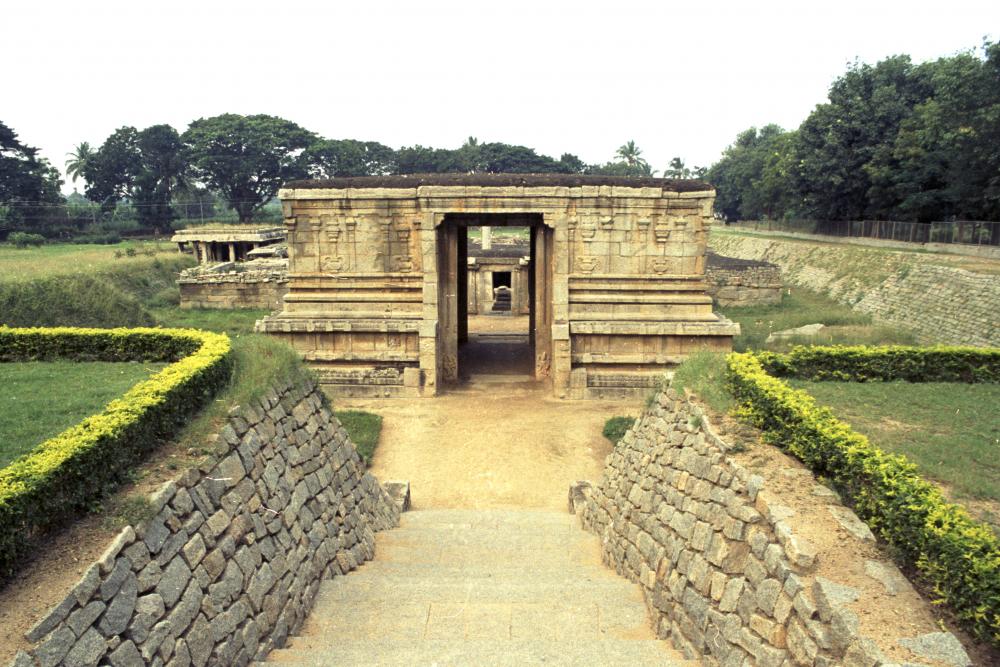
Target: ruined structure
(377,298)
(257,283)
(742,282)
(504,264)
(232,243)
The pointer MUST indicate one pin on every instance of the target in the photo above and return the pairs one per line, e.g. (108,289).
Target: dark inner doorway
(496,319)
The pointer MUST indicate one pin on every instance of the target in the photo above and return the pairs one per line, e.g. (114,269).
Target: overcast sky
(681,79)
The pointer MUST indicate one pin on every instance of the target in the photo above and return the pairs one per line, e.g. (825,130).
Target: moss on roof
(503,180)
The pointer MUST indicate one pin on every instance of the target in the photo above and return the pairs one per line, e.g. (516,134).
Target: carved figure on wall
(585,264)
(333,264)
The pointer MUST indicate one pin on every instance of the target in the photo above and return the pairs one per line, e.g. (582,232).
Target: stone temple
(378,279)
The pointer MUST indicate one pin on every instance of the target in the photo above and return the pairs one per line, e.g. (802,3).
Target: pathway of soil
(491,445)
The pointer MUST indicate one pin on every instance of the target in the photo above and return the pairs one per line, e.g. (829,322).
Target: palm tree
(78,160)
(635,164)
(630,153)
(677,169)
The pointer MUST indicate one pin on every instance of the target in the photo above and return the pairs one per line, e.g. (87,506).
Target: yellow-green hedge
(958,556)
(859,363)
(65,474)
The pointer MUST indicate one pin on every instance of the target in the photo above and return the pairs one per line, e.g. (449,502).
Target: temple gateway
(378,300)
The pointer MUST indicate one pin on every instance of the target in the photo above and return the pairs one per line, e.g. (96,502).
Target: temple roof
(502,180)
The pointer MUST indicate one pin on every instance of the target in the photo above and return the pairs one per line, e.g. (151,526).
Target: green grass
(41,399)
(232,322)
(950,430)
(68,287)
(703,374)
(67,258)
(614,428)
(364,429)
(799,307)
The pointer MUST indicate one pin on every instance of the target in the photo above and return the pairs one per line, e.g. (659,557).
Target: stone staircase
(480,587)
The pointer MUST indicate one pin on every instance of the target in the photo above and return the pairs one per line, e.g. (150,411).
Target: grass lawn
(43,398)
(950,430)
(799,307)
(232,322)
(364,429)
(68,258)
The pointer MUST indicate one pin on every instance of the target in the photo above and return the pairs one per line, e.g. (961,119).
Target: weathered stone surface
(829,595)
(216,591)
(52,619)
(173,581)
(618,238)
(87,650)
(852,524)
(888,575)
(81,619)
(199,641)
(126,655)
(55,647)
(942,646)
(120,608)
(664,523)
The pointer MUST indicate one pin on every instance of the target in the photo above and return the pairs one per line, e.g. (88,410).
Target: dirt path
(491,445)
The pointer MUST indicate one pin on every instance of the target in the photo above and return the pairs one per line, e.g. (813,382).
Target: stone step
(500,653)
(548,620)
(509,591)
(490,518)
(470,587)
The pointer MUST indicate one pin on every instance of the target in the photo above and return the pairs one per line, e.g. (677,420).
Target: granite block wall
(918,292)
(727,581)
(231,561)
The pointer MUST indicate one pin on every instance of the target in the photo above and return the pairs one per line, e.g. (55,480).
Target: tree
(78,160)
(751,179)
(841,140)
(631,155)
(144,167)
(28,187)
(336,158)
(476,157)
(162,172)
(112,170)
(677,169)
(571,164)
(246,159)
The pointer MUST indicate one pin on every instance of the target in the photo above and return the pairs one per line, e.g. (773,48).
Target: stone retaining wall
(723,578)
(251,289)
(734,282)
(231,561)
(916,292)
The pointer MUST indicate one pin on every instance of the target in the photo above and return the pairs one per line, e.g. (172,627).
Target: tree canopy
(27,184)
(246,158)
(894,140)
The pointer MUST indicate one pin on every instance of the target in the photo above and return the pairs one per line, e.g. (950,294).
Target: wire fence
(83,219)
(968,232)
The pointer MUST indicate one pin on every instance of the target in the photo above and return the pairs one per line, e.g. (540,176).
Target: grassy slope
(364,429)
(950,430)
(42,399)
(87,285)
(66,258)
(799,307)
(79,285)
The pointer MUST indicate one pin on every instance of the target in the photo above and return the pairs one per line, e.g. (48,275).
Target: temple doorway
(497,328)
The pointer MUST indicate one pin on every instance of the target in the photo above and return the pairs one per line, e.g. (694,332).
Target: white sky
(583,77)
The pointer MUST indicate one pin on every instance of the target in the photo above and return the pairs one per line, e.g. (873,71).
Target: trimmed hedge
(858,363)
(958,556)
(64,475)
